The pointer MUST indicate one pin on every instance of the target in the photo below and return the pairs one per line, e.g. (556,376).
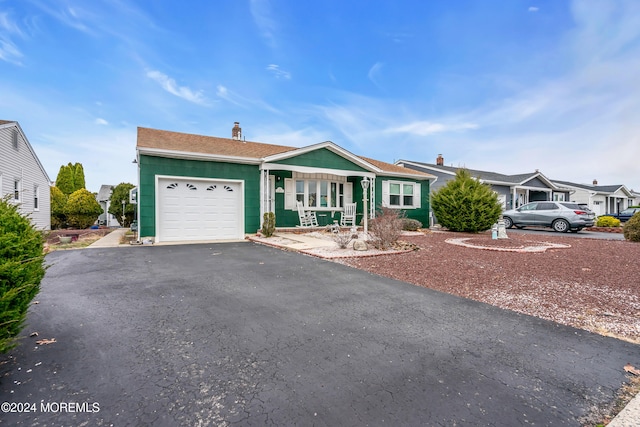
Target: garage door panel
(199,210)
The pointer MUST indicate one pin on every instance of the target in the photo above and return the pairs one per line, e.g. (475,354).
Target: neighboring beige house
(601,199)
(22,176)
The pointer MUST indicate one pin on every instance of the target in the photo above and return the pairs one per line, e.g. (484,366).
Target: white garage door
(194,209)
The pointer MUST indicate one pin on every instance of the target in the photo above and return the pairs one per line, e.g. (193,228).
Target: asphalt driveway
(243,334)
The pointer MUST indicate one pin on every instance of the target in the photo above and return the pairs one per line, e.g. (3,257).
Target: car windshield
(628,211)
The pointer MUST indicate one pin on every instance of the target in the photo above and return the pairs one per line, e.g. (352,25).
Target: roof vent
(236,132)
(14,137)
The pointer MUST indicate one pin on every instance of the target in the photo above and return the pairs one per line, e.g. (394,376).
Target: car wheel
(560,225)
(507,222)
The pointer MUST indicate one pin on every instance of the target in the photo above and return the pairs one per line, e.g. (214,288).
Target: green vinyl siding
(151,166)
(322,158)
(421,213)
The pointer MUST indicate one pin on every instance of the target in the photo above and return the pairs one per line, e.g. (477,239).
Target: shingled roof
(210,145)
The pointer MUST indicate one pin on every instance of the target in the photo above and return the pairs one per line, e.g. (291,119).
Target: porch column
(264,189)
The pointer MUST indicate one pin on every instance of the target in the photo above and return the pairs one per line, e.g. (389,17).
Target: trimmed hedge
(607,221)
(21,270)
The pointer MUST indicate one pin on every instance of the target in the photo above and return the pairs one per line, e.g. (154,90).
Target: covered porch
(322,191)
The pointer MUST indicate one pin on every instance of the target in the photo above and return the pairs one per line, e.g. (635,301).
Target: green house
(202,188)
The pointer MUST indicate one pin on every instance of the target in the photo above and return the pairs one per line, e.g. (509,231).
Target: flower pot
(64,239)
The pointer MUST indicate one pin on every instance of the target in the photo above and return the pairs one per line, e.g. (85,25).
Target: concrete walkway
(111,240)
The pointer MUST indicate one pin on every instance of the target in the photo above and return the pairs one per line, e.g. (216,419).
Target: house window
(401,194)
(558,197)
(319,193)
(36,198)
(16,190)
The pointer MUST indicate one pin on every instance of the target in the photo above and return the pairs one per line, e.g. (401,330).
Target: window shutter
(289,195)
(385,193)
(348,192)
(416,195)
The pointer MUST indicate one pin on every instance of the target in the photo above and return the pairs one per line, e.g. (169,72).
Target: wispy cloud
(533,9)
(374,73)
(9,52)
(170,85)
(100,121)
(278,72)
(424,128)
(243,101)
(262,17)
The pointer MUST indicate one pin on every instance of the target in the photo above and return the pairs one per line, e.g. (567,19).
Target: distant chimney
(236,132)
(595,182)
(440,160)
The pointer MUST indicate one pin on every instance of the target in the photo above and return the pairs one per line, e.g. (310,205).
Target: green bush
(120,194)
(607,221)
(268,224)
(21,270)
(70,178)
(410,224)
(466,204)
(58,203)
(82,209)
(631,228)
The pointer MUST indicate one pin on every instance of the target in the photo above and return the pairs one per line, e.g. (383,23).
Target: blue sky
(509,86)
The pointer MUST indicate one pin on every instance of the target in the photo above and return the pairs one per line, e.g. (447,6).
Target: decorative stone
(502,231)
(359,245)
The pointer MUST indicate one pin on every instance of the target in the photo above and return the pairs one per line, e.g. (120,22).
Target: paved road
(242,334)
(581,234)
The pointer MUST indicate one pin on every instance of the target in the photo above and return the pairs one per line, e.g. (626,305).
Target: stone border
(543,246)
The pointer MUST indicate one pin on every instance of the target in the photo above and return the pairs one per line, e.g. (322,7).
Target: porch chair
(348,217)
(307,218)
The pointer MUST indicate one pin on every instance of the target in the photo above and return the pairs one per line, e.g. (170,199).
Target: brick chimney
(236,132)
(440,160)
(595,182)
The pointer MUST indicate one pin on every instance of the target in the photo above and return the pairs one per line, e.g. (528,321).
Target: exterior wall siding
(22,164)
(150,166)
(421,214)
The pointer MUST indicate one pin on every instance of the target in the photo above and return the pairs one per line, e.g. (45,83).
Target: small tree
(21,270)
(82,209)
(120,194)
(268,224)
(58,203)
(466,204)
(70,178)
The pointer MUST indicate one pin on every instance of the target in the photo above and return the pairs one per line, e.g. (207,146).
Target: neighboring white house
(601,199)
(23,177)
(104,198)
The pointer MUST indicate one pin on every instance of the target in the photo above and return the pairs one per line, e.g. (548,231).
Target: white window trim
(290,191)
(386,195)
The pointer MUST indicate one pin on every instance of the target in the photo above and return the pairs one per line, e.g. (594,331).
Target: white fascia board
(407,175)
(331,147)
(543,178)
(187,155)
(431,168)
(309,169)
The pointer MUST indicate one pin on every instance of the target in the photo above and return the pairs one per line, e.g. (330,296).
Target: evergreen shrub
(268,224)
(466,204)
(21,270)
(410,224)
(631,229)
(82,209)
